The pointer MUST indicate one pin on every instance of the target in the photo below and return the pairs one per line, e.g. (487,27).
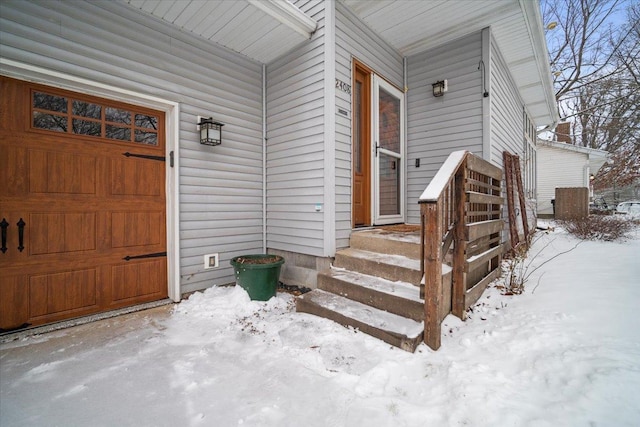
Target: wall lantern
(210,131)
(439,88)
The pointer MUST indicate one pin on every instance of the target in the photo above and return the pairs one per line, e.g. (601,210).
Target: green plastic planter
(258,274)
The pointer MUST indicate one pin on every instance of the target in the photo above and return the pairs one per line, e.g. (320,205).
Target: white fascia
(287,14)
(533,18)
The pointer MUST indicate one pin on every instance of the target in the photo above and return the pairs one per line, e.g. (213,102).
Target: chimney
(563,132)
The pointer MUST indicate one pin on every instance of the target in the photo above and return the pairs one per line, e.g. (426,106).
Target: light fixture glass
(210,132)
(438,88)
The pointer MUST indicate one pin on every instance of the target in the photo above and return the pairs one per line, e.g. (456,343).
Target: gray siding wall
(295,144)
(507,119)
(355,40)
(220,187)
(438,126)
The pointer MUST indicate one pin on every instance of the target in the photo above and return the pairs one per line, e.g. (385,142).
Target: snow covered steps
(373,286)
(391,328)
(397,297)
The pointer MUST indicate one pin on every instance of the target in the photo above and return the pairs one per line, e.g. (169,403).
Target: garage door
(82,205)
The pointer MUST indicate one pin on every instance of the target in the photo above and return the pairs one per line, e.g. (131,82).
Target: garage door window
(59,113)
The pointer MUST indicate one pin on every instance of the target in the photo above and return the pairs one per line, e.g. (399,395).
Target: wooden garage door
(82,205)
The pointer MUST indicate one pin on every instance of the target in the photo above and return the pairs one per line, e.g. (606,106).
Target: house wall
(295,144)
(354,39)
(558,168)
(297,165)
(438,126)
(507,119)
(107,43)
(510,128)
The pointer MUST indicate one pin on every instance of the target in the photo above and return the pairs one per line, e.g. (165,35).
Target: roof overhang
(416,26)
(264,30)
(259,29)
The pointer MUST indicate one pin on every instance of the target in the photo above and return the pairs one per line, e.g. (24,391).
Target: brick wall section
(563,132)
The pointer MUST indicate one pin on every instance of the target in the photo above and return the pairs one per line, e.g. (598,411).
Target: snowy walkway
(566,355)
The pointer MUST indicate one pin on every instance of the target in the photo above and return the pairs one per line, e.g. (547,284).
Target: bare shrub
(519,265)
(599,227)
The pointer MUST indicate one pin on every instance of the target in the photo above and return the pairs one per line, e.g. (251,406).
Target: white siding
(105,42)
(507,110)
(355,40)
(558,168)
(295,144)
(438,126)
(510,127)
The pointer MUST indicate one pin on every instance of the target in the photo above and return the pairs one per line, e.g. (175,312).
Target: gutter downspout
(264,158)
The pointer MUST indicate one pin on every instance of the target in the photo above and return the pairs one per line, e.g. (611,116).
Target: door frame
(359,67)
(22,71)
(380,83)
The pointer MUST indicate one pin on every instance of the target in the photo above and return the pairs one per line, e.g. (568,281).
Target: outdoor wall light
(210,131)
(439,88)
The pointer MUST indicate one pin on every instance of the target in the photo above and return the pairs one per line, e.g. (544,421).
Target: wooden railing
(461,244)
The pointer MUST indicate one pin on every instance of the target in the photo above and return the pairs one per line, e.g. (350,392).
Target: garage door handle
(154,255)
(21,225)
(145,156)
(4,224)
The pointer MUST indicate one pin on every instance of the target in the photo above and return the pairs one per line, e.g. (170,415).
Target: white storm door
(388,152)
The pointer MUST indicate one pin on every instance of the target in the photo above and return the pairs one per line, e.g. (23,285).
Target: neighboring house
(564,165)
(330,124)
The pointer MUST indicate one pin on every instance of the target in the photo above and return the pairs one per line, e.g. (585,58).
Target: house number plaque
(343,86)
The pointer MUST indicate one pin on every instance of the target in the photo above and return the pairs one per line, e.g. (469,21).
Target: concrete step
(400,298)
(388,266)
(387,242)
(391,328)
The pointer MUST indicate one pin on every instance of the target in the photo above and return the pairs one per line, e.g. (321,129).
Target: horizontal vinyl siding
(558,168)
(355,40)
(438,126)
(295,144)
(507,120)
(105,42)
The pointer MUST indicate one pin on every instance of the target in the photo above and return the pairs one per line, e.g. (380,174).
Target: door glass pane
(147,122)
(51,122)
(389,121)
(389,179)
(117,132)
(49,102)
(117,115)
(87,109)
(87,127)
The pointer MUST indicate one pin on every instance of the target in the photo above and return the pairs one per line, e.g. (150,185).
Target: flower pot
(258,274)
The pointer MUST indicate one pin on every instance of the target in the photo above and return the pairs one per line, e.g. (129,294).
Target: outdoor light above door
(439,88)
(210,132)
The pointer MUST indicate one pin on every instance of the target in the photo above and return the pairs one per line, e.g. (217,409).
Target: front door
(388,137)
(82,205)
(361,194)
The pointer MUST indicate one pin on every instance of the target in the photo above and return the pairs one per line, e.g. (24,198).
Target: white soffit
(416,26)
(259,29)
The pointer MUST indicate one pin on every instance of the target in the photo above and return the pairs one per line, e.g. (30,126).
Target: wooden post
(460,245)
(422,240)
(508,178)
(432,273)
(523,204)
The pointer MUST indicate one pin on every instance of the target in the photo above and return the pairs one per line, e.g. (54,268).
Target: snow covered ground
(566,354)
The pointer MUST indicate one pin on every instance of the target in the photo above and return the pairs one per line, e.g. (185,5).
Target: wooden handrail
(460,206)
